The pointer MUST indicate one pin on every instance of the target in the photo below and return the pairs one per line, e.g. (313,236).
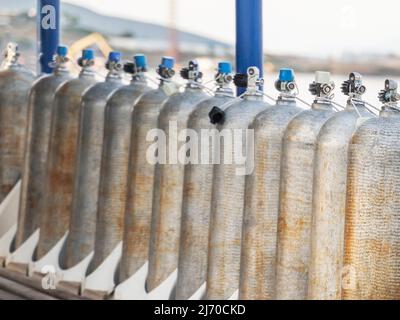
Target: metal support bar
(249,36)
(48,21)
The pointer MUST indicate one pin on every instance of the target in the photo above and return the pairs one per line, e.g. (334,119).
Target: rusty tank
(80,240)
(197,188)
(168,179)
(136,237)
(41,106)
(372,223)
(15,84)
(61,160)
(261,201)
(227,200)
(114,162)
(329,195)
(294,224)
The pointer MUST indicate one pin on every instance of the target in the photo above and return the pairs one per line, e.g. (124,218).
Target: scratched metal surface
(15,83)
(168,191)
(227,208)
(196,208)
(294,224)
(372,243)
(81,236)
(261,209)
(37,145)
(61,162)
(329,200)
(114,169)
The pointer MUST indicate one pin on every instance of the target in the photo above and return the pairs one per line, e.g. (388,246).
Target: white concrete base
(102,279)
(24,254)
(8,219)
(200,293)
(51,259)
(165,289)
(133,288)
(235,296)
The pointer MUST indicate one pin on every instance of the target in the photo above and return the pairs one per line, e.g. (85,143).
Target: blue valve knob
(114,56)
(286,75)
(62,51)
(88,54)
(224,67)
(140,61)
(168,62)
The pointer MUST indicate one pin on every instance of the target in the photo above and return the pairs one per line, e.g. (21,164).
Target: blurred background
(338,36)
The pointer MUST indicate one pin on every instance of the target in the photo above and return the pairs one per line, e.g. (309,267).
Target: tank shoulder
(377,128)
(306,125)
(49,82)
(244,112)
(200,114)
(275,116)
(182,101)
(101,90)
(152,96)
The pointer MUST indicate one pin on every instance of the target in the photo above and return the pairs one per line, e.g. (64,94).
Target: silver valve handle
(354,87)
(323,86)
(389,95)
(11,53)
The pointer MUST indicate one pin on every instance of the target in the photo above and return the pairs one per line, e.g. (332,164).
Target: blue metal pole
(249,36)
(48,32)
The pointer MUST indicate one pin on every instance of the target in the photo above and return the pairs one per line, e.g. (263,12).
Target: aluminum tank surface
(15,83)
(329,195)
(80,240)
(136,237)
(227,200)
(372,227)
(261,204)
(168,181)
(37,142)
(61,160)
(197,192)
(297,167)
(114,163)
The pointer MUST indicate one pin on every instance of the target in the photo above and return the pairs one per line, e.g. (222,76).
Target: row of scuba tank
(318,217)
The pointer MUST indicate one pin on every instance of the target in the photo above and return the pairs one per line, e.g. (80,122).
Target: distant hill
(81,18)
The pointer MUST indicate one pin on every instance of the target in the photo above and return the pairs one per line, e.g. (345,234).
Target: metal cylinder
(37,143)
(136,237)
(168,180)
(261,200)
(15,83)
(197,188)
(372,224)
(80,240)
(61,160)
(294,226)
(329,196)
(114,162)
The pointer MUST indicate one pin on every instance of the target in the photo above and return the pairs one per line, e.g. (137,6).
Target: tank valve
(192,72)
(114,61)
(11,53)
(166,68)
(286,83)
(322,86)
(224,74)
(139,64)
(87,59)
(353,87)
(389,95)
(60,58)
(251,80)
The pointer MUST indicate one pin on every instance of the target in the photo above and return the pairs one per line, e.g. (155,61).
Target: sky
(310,27)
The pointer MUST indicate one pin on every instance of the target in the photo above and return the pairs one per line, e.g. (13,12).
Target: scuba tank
(168,180)
(196,203)
(261,201)
(61,159)
(80,240)
(372,223)
(136,237)
(228,188)
(115,159)
(329,195)
(297,167)
(37,143)
(15,83)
